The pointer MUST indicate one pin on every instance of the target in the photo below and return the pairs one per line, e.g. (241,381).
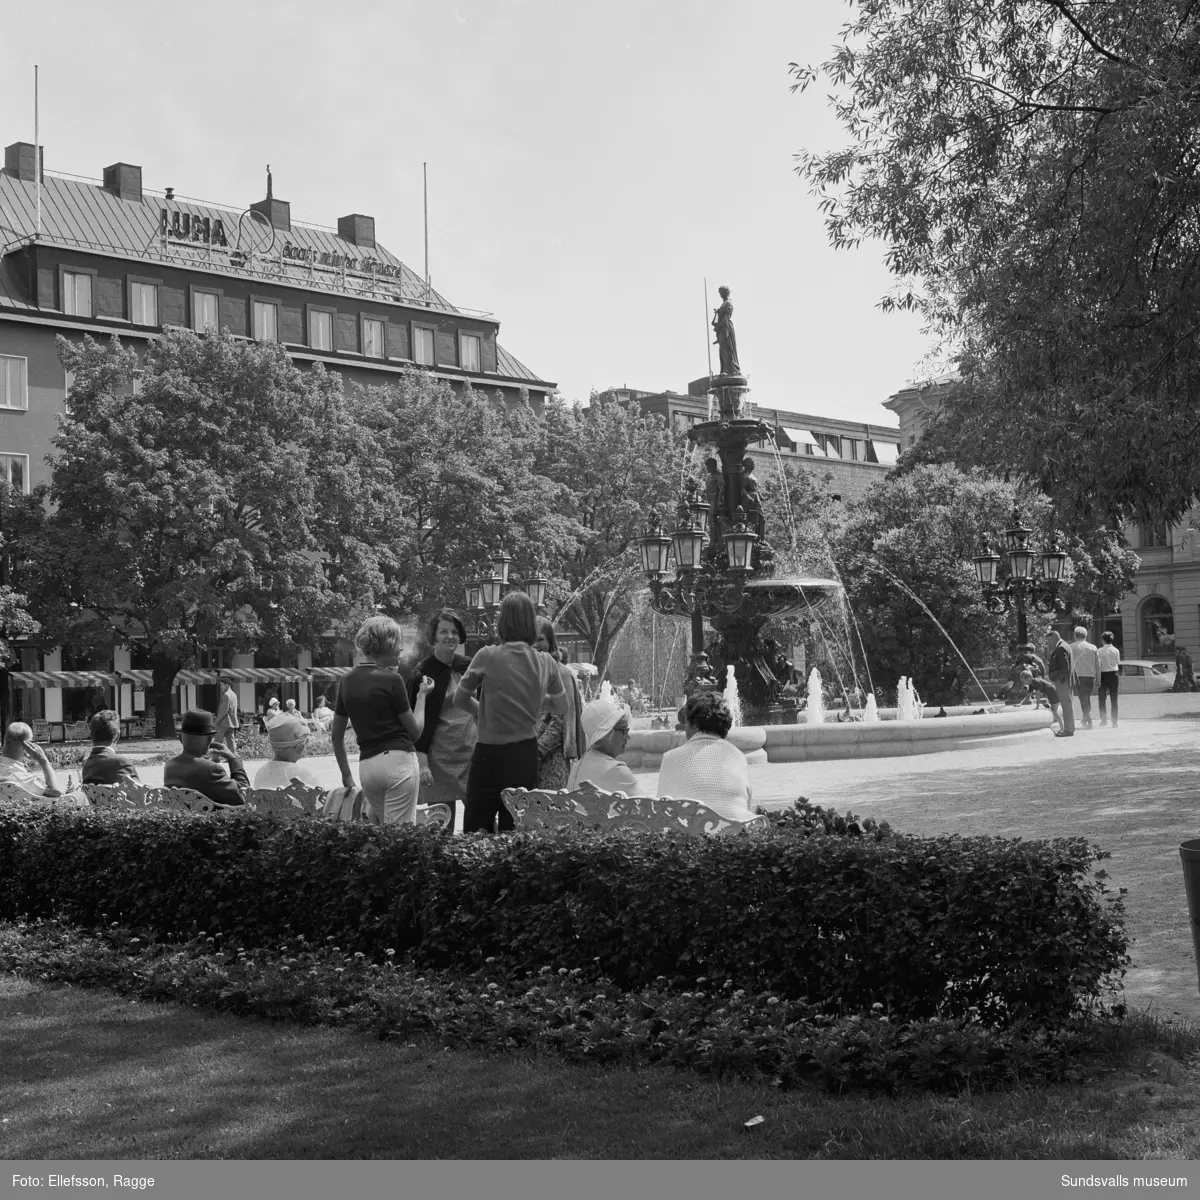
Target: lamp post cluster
(1022,588)
(484,593)
(712,564)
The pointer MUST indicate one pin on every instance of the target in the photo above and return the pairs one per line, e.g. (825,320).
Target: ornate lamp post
(483,595)
(1023,588)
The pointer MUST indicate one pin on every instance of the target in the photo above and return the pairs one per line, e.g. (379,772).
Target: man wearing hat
(288,737)
(204,766)
(606,732)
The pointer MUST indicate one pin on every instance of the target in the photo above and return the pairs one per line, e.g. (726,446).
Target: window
(143,304)
(468,353)
(320,330)
(204,312)
(14,382)
(1152,537)
(1158,627)
(77,294)
(423,346)
(14,470)
(265,318)
(372,337)
(885,453)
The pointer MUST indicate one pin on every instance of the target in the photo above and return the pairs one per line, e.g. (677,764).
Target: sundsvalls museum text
(136,1183)
(1123,1181)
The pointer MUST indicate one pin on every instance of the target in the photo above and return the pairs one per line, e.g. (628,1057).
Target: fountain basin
(853,739)
(782,595)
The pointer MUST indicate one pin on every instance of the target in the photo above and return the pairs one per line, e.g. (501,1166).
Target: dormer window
(76,294)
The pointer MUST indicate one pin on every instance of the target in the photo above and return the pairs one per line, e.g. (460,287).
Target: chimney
(124,181)
(18,161)
(278,212)
(358,229)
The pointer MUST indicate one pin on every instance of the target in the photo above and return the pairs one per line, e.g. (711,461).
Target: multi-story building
(853,455)
(1163,609)
(110,256)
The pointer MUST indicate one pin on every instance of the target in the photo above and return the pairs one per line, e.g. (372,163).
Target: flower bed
(711,1028)
(1016,931)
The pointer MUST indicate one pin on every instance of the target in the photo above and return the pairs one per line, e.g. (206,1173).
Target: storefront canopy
(63,679)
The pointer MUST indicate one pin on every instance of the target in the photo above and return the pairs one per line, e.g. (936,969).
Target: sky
(589,165)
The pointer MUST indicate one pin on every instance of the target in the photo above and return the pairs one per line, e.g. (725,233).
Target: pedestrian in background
(1058,662)
(1109,659)
(1086,666)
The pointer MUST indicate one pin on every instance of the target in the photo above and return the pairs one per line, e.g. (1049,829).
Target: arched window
(1158,627)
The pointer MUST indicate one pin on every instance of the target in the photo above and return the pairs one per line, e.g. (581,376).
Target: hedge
(1009,929)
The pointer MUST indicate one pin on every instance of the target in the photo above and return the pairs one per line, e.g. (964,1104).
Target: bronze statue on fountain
(724,568)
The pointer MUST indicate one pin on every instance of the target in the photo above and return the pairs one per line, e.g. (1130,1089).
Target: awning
(144,679)
(330,672)
(803,440)
(62,679)
(885,452)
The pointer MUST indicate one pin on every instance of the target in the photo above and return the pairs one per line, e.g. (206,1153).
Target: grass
(91,1075)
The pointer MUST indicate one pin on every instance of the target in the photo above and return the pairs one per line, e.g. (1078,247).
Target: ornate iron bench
(588,807)
(294,802)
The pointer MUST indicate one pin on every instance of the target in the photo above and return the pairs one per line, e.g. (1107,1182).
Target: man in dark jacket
(1058,662)
(104,764)
(220,777)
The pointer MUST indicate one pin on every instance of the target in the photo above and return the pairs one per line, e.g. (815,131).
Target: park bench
(588,807)
(296,801)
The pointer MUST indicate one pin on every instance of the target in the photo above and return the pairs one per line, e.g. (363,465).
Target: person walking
(447,742)
(1058,659)
(1086,667)
(227,723)
(1109,659)
(373,700)
(513,680)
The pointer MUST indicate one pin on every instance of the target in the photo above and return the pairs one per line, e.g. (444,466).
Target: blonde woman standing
(373,701)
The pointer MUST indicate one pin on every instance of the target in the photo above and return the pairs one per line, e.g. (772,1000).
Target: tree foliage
(184,512)
(613,466)
(1031,166)
(905,556)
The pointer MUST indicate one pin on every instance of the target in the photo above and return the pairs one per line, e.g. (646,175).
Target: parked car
(1140,676)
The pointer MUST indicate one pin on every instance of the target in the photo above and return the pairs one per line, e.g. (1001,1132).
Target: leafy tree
(1031,166)
(21,521)
(905,556)
(184,513)
(613,466)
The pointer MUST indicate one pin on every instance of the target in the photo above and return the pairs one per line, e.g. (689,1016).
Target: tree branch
(1061,6)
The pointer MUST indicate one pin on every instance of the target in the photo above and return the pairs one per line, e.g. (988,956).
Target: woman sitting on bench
(706,767)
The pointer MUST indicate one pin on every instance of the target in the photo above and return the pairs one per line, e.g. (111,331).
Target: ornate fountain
(724,566)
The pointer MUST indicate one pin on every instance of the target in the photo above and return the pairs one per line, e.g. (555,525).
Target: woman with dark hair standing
(446,743)
(560,738)
(513,681)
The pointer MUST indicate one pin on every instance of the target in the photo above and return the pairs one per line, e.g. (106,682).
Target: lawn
(90,1075)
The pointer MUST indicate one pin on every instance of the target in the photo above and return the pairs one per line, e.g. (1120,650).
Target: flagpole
(37,153)
(708,344)
(425,179)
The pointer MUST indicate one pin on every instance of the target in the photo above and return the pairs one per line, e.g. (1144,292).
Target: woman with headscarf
(447,742)
(559,735)
(606,733)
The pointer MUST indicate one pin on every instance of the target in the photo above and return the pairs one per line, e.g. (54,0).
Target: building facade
(852,455)
(110,256)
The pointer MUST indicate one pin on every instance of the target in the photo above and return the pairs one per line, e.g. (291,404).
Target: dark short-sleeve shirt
(374,700)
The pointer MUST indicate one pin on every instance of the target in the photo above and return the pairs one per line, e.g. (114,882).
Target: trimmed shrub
(1013,930)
